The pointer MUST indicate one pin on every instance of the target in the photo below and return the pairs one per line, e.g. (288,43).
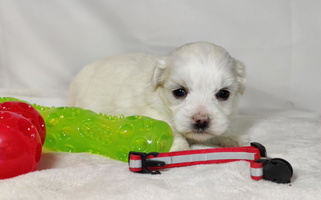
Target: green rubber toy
(72,129)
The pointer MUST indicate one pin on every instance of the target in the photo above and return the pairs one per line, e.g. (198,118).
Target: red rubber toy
(20,141)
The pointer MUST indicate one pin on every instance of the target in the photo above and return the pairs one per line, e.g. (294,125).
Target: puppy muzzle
(200,123)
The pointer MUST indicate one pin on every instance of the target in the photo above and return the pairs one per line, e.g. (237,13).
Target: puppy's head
(200,83)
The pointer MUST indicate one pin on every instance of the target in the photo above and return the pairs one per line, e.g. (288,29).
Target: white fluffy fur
(141,84)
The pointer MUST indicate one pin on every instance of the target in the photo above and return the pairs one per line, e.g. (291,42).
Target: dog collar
(261,167)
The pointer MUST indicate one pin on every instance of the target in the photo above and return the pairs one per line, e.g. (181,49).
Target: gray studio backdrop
(43,44)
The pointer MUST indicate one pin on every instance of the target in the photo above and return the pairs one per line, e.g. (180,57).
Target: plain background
(43,44)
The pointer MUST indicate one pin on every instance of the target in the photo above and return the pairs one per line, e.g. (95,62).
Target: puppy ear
(241,76)
(159,72)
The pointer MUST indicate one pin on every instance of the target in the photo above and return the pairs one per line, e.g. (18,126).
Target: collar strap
(260,167)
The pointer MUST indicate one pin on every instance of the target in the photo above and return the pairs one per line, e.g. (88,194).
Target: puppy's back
(117,85)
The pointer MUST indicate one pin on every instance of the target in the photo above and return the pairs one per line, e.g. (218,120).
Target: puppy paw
(226,141)
(203,146)
(180,144)
(180,147)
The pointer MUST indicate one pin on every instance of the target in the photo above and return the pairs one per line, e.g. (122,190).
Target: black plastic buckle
(260,147)
(148,163)
(276,170)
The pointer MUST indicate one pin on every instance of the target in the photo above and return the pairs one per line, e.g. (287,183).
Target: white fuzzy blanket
(85,176)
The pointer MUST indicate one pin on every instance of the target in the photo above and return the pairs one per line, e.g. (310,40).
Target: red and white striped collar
(276,170)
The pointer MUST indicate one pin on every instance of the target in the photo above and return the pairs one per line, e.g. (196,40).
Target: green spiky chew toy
(71,129)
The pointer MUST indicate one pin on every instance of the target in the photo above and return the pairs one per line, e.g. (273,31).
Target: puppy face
(200,83)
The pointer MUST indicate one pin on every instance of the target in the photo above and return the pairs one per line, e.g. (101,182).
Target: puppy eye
(180,93)
(222,95)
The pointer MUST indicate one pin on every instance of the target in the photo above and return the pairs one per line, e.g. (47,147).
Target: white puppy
(195,89)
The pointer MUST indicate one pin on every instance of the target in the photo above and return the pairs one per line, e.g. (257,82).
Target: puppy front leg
(225,141)
(179,143)
(229,140)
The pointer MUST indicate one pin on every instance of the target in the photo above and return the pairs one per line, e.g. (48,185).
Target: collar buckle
(145,165)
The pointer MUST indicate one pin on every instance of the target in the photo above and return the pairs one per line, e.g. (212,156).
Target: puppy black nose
(201,122)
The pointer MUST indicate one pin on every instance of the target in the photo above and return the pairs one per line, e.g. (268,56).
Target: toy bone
(72,129)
